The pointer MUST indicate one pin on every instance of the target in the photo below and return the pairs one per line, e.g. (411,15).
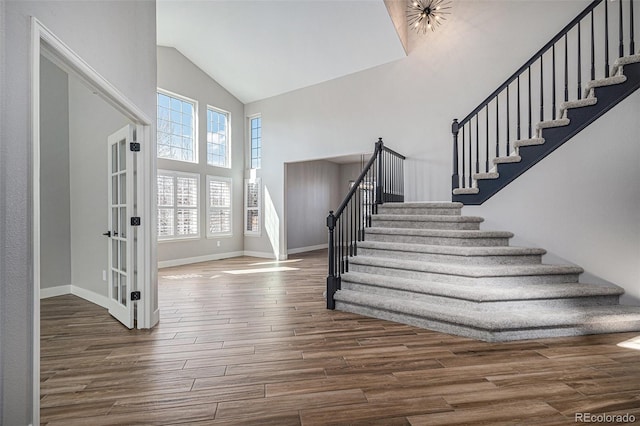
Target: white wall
(55,219)
(582,203)
(179,75)
(91,121)
(409,102)
(118,40)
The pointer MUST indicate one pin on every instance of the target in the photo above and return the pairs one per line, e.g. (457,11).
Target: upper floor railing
(583,50)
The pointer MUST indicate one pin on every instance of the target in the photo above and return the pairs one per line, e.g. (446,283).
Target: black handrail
(514,102)
(381,180)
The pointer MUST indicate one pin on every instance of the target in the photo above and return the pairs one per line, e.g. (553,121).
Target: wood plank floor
(260,349)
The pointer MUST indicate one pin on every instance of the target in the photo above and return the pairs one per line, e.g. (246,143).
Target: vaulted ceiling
(261,48)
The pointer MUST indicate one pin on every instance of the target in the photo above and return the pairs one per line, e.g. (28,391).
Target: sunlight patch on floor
(631,343)
(181,276)
(276,262)
(260,270)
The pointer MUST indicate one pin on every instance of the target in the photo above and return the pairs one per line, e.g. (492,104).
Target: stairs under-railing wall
(563,88)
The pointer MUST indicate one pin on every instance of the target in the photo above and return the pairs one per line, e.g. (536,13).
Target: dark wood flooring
(261,349)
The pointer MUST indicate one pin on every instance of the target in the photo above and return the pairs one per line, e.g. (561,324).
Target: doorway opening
(74,110)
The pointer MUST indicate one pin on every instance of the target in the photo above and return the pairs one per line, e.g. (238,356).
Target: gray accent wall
(312,189)
(178,75)
(118,40)
(55,217)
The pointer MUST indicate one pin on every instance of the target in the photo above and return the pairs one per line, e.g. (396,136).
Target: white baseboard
(265,255)
(88,295)
(91,296)
(197,259)
(309,248)
(60,290)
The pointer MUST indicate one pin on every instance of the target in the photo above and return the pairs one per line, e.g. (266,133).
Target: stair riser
(486,335)
(444,278)
(447,258)
(471,226)
(493,306)
(439,241)
(419,211)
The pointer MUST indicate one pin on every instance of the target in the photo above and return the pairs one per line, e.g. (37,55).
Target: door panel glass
(114,221)
(114,254)
(114,155)
(123,290)
(115,285)
(114,189)
(122,151)
(123,222)
(123,256)
(123,188)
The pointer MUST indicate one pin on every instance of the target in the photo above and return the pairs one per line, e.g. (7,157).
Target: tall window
(256,142)
(178,195)
(217,138)
(218,206)
(252,206)
(176,128)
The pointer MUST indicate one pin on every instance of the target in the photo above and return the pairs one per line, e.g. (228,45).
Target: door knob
(107,234)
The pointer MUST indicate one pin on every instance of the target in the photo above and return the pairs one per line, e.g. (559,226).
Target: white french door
(121,233)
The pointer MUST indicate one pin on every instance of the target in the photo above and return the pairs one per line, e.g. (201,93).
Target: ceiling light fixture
(426,15)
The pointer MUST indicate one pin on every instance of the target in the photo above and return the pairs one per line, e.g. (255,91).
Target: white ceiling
(261,48)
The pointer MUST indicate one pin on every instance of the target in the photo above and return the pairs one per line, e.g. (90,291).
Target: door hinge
(135,295)
(135,221)
(134,146)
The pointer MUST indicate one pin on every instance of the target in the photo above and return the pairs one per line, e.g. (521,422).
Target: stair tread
(488,175)
(418,204)
(508,159)
(474,271)
(528,142)
(464,191)
(449,233)
(475,293)
(427,218)
(608,81)
(578,103)
(553,123)
(455,250)
(625,60)
(496,319)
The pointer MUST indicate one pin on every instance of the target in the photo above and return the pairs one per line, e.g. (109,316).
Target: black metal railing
(552,76)
(381,181)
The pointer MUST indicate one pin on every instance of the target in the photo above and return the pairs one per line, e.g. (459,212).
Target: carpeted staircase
(426,265)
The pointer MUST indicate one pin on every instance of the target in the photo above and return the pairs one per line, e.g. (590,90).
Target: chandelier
(426,15)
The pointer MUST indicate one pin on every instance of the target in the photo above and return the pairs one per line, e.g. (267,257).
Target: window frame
(209,209)
(181,98)
(258,208)
(227,164)
(174,175)
(251,139)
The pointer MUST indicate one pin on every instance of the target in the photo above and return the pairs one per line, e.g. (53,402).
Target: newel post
(380,177)
(332,280)
(455,181)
